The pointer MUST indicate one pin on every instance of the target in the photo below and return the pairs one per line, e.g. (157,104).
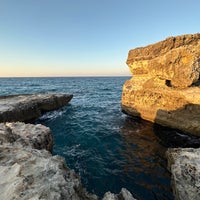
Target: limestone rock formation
(165,83)
(29,171)
(184,165)
(28,107)
(35,136)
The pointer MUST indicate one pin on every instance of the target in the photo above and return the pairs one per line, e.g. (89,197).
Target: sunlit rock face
(184,165)
(165,83)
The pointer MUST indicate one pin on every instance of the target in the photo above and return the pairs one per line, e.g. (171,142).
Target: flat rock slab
(184,165)
(28,107)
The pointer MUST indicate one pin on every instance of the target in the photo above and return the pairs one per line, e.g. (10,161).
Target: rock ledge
(30,106)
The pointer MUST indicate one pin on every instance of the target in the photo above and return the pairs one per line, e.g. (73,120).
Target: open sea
(109,149)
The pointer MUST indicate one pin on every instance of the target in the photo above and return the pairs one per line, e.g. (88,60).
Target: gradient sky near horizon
(85,37)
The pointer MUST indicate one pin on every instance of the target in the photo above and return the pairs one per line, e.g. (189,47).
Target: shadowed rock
(184,165)
(28,107)
(164,87)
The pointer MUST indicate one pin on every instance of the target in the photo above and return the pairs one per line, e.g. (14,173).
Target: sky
(85,37)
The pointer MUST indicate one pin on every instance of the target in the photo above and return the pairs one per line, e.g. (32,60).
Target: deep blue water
(106,147)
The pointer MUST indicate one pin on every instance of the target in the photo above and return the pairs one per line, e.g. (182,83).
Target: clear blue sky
(85,37)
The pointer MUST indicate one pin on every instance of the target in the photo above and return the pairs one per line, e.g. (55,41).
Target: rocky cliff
(165,83)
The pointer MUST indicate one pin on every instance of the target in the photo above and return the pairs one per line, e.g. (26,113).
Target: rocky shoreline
(165,90)
(29,171)
(27,168)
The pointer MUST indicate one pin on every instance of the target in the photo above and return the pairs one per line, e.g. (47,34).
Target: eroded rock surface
(184,165)
(165,83)
(29,171)
(176,59)
(35,136)
(28,107)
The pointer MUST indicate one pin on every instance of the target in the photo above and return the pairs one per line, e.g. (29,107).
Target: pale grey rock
(35,136)
(27,107)
(123,195)
(28,173)
(109,196)
(184,165)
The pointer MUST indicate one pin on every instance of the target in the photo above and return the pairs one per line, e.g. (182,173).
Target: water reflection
(146,164)
(174,138)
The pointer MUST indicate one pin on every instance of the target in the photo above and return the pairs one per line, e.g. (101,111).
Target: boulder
(184,165)
(165,83)
(27,107)
(34,136)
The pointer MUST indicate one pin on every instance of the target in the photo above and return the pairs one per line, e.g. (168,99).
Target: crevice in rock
(168,83)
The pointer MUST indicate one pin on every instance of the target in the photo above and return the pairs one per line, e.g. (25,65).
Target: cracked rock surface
(184,165)
(29,171)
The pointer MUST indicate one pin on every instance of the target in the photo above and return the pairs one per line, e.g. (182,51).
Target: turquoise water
(107,148)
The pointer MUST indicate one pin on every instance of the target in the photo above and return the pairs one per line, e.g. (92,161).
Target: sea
(107,148)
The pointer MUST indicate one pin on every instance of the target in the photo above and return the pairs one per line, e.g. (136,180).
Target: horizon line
(70,76)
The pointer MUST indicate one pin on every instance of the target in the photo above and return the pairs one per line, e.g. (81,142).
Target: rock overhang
(164,87)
